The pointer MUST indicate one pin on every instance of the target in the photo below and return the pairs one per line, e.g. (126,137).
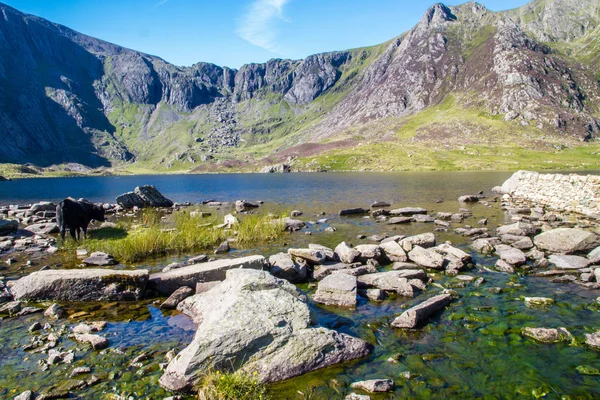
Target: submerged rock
(81,285)
(100,259)
(546,335)
(256,323)
(98,342)
(593,340)
(374,385)
(419,314)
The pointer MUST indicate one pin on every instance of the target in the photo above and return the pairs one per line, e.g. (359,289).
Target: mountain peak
(436,15)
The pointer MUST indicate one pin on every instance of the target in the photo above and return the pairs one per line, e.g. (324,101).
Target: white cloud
(257,26)
(161,2)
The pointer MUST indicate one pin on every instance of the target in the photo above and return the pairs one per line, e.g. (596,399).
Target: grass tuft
(154,234)
(231,386)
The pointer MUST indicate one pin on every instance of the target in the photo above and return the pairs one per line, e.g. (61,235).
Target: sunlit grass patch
(154,234)
(231,386)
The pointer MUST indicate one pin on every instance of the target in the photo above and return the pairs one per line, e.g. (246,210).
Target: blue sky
(235,32)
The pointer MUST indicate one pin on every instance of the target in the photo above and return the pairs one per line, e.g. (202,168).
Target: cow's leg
(84,228)
(63,230)
(73,232)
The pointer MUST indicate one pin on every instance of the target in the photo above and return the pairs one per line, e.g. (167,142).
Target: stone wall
(571,193)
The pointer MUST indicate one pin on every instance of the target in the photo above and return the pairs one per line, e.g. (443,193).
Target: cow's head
(98,213)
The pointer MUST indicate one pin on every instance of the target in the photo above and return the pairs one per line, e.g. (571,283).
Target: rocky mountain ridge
(67,97)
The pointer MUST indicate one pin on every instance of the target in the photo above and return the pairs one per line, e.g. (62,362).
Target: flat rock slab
(82,285)
(168,282)
(511,255)
(100,259)
(337,290)
(259,325)
(547,335)
(568,262)
(408,211)
(425,240)
(353,211)
(98,342)
(321,271)
(43,229)
(391,281)
(419,314)
(566,240)
(427,258)
(374,385)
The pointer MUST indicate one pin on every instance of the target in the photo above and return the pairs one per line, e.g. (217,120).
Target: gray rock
(313,257)
(468,199)
(293,224)
(568,262)
(408,211)
(55,312)
(593,339)
(346,254)
(8,226)
(100,259)
(368,251)
(173,266)
(168,282)
(321,271)
(358,270)
(510,255)
(518,229)
(503,266)
(285,267)
(243,205)
(81,285)
(378,204)
(566,240)
(426,258)
(425,240)
(419,314)
(546,335)
(98,342)
(278,168)
(423,218)
(354,396)
(400,220)
(374,294)
(177,297)
(202,287)
(393,251)
(329,253)
(374,385)
(26,395)
(256,323)
(392,281)
(296,213)
(197,259)
(43,229)
(594,256)
(143,196)
(223,248)
(337,290)
(11,308)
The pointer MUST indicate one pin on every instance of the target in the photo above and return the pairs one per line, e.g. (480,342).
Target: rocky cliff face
(67,97)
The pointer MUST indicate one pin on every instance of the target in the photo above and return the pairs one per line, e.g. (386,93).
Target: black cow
(76,215)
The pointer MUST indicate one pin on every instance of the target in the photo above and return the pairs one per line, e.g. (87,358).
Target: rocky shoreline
(253,318)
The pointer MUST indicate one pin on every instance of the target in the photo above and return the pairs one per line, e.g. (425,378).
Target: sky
(236,32)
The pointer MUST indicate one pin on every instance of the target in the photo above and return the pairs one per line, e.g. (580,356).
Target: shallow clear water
(472,350)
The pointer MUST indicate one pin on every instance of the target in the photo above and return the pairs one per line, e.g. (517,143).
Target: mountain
(464,80)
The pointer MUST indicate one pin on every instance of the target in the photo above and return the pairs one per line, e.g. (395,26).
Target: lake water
(474,349)
(316,189)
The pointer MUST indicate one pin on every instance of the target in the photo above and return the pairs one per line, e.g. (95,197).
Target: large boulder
(143,196)
(426,258)
(81,285)
(566,240)
(260,325)
(8,226)
(511,255)
(518,229)
(167,282)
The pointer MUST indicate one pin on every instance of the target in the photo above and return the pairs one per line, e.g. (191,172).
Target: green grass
(231,386)
(154,235)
